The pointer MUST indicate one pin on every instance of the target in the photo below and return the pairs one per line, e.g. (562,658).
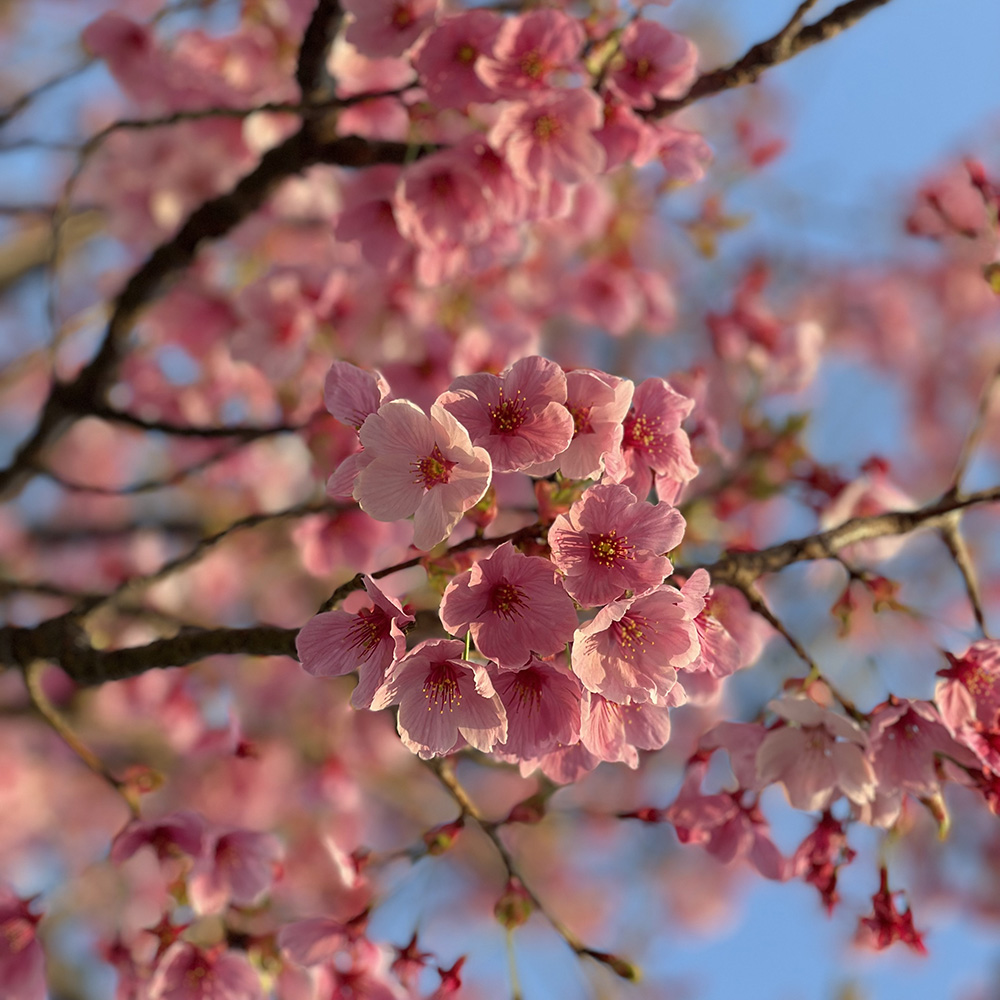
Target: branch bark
(779,48)
(63,640)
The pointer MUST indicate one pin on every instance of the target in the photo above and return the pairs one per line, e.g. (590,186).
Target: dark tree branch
(310,73)
(788,42)
(67,401)
(742,569)
(64,641)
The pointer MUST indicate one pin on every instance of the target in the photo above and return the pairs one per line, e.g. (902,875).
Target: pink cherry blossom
(564,765)
(352,394)
(445,59)
(632,650)
(614,732)
(970,691)
(726,826)
(529,50)
(906,739)
(625,136)
(543,709)
(819,857)
(683,154)
(185,972)
(817,757)
(609,542)
(598,403)
(381,28)
(873,492)
(652,440)
(969,700)
(518,417)
(440,202)
(552,137)
(514,605)
(607,296)
(421,466)
(445,702)
(653,62)
(181,832)
(368,219)
(887,925)
(22,962)
(335,643)
(238,866)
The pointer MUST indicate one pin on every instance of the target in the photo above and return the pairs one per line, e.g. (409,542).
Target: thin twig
(137,583)
(145,485)
(444,769)
(976,430)
(951,534)
(58,722)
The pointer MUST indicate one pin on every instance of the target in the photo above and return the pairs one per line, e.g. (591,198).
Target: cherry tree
(417,545)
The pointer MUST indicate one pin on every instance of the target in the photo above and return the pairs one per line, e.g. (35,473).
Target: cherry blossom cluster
(870,764)
(582,648)
(216,873)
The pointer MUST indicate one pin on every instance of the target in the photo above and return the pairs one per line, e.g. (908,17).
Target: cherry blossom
(188,973)
(816,757)
(542,701)
(653,441)
(387,27)
(653,62)
(445,702)
(446,58)
(633,648)
(551,137)
(335,643)
(22,963)
(352,394)
(518,417)
(529,51)
(609,542)
(514,604)
(238,866)
(598,403)
(421,466)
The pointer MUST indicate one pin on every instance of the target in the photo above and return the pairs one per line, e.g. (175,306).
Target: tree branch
(788,42)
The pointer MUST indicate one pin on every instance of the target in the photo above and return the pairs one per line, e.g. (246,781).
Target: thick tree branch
(64,641)
(741,569)
(214,219)
(788,42)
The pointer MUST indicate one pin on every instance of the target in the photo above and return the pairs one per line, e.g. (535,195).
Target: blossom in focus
(514,605)
(653,441)
(352,394)
(609,542)
(543,709)
(334,643)
(632,649)
(445,702)
(518,417)
(598,403)
(421,466)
